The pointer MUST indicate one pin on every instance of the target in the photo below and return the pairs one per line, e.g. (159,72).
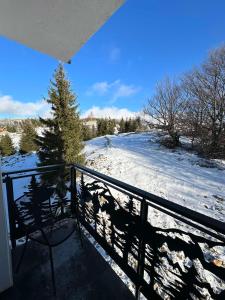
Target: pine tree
(102,127)
(138,122)
(133,125)
(111,124)
(87,133)
(6,146)
(105,126)
(122,125)
(11,128)
(93,131)
(61,141)
(127,126)
(27,142)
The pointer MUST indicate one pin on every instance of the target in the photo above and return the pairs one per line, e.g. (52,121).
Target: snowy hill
(177,175)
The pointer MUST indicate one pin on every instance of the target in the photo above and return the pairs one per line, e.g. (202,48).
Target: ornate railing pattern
(164,260)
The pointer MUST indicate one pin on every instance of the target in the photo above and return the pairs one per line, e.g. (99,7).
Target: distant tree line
(111,126)
(105,126)
(18,125)
(130,125)
(28,141)
(194,105)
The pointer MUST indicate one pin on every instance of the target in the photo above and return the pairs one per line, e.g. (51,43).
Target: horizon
(134,51)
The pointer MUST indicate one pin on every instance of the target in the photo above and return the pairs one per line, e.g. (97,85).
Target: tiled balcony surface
(81,273)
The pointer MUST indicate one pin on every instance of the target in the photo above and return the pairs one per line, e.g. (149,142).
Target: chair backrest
(42,204)
(34,209)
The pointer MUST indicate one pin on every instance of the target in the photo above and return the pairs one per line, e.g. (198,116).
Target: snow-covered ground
(177,175)
(19,162)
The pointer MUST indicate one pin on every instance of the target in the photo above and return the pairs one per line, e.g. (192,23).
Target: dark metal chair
(38,215)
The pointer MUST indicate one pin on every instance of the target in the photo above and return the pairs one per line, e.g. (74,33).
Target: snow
(19,162)
(15,137)
(39,130)
(177,175)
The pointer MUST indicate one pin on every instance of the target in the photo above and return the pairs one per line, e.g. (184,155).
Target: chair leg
(79,231)
(52,270)
(22,255)
(78,226)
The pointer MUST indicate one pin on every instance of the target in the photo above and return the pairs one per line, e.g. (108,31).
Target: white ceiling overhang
(55,27)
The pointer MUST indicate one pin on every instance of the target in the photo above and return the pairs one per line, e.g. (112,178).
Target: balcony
(164,250)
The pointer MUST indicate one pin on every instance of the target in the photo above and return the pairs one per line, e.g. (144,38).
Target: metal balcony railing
(167,250)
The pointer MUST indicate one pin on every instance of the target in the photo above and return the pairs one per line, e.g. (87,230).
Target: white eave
(55,27)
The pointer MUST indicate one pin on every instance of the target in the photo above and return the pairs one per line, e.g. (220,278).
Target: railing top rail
(177,208)
(33,169)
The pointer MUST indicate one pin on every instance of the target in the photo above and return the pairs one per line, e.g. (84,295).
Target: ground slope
(180,176)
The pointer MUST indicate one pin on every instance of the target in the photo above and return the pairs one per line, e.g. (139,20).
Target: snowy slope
(179,176)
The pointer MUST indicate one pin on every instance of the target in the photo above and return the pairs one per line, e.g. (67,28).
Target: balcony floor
(81,274)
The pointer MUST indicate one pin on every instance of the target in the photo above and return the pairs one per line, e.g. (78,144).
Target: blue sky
(143,42)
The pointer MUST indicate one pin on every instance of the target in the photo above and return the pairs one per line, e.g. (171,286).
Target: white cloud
(13,108)
(114,54)
(114,90)
(109,112)
(99,87)
(124,90)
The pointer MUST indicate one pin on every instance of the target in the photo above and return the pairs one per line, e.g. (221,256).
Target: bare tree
(206,91)
(167,107)
(195,113)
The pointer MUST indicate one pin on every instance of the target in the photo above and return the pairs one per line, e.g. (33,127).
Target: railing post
(141,254)
(73,192)
(6,278)
(74,199)
(11,211)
